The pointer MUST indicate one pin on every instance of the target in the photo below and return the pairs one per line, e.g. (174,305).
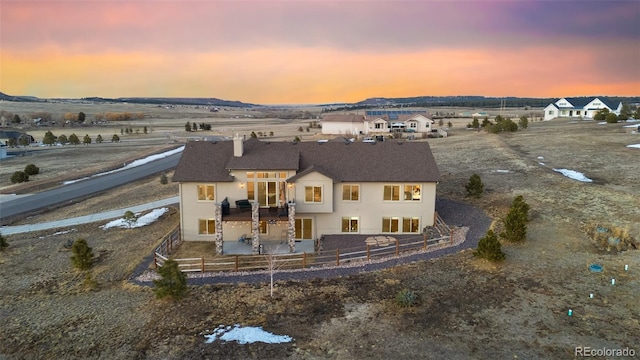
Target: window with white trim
(350,192)
(303,228)
(391,193)
(313,194)
(206,192)
(413,192)
(349,224)
(206,226)
(410,225)
(390,224)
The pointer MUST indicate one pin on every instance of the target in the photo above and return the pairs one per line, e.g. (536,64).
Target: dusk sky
(287,52)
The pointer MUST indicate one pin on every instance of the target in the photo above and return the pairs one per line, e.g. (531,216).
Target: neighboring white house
(334,124)
(580,107)
(297,192)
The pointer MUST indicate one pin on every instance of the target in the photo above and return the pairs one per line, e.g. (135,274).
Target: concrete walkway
(107,215)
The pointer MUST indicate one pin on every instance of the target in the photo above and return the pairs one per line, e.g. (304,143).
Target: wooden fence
(236,263)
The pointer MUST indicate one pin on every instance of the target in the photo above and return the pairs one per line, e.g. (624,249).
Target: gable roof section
(387,161)
(343,118)
(581,102)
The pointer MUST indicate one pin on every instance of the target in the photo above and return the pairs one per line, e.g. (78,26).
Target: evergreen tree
(187,127)
(115,138)
(87,139)
(522,207)
(62,139)
(475,187)
(253,134)
(74,140)
(49,138)
(31,169)
(194,127)
(99,139)
(489,247)
(523,122)
(81,117)
(145,130)
(19,177)
(173,282)
(515,228)
(82,255)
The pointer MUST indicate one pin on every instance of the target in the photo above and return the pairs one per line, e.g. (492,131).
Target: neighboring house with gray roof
(338,124)
(301,191)
(580,107)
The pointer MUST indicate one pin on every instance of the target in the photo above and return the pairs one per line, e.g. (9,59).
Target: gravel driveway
(454,213)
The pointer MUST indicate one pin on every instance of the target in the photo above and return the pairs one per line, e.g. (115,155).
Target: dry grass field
(466,308)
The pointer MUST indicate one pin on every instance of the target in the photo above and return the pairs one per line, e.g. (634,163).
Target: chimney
(237,146)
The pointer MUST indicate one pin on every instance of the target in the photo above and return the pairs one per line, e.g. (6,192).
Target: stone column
(291,228)
(218,220)
(255,227)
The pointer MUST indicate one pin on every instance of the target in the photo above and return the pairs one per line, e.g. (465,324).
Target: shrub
(475,187)
(19,177)
(489,247)
(515,228)
(296,139)
(130,218)
(406,298)
(115,138)
(82,255)
(173,282)
(89,282)
(611,118)
(3,243)
(163,179)
(31,169)
(253,134)
(522,207)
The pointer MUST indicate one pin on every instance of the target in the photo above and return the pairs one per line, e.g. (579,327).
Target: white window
(350,192)
(413,192)
(390,224)
(349,224)
(206,226)
(410,225)
(304,228)
(205,192)
(313,194)
(391,193)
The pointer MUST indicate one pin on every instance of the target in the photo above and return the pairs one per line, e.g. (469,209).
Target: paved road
(67,193)
(107,215)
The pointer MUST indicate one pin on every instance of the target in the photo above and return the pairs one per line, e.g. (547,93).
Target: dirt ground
(466,308)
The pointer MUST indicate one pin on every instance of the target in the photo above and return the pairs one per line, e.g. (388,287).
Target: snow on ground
(572,174)
(59,233)
(631,126)
(143,220)
(246,335)
(133,164)
(503,171)
(602,123)
(541,163)
(540,157)
(637,146)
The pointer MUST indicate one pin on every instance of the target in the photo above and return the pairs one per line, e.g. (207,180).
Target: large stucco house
(297,192)
(376,123)
(580,107)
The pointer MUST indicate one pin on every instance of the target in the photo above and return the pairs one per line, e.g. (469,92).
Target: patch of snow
(246,335)
(572,174)
(144,220)
(541,163)
(503,171)
(59,233)
(602,123)
(637,146)
(540,157)
(133,164)
(632,120)
(630,126)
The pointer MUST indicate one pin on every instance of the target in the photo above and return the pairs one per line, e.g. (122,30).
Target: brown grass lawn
(466,308)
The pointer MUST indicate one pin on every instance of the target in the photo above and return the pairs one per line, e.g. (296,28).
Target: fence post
(155,260)
(397,247)
(435,218)
(202,264)
(368,252)
(236,263)
(304,259)
(425,236)
(451,237)
(337,257)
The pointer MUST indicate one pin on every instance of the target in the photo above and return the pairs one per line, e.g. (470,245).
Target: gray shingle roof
(388,161)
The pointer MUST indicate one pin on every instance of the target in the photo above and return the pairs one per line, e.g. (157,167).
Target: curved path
(452,212)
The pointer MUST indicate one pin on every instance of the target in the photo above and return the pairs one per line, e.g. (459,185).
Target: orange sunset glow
(270,52)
